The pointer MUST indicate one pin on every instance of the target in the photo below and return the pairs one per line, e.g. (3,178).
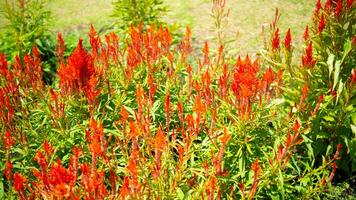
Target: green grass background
(244,26)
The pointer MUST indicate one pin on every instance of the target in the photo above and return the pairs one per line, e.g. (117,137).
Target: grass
(244,25)
(246,19)
(75,16)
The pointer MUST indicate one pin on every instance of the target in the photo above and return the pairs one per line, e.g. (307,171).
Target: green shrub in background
(134,12)
(26,24)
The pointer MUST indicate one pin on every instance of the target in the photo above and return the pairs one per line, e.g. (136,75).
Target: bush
(134,12)
(27,24)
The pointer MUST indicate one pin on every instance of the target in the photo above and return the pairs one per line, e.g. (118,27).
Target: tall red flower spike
(307,59)
(288,40)
(321,25)
(75,75)
(275,41)
(306,33)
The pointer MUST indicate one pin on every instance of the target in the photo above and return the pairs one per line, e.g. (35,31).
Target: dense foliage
(141,118)
(127,12)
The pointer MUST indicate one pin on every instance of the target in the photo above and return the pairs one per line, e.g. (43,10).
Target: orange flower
(124,114)
(225,137)
(125,188)
(205,51)
(199,106)
(160,140)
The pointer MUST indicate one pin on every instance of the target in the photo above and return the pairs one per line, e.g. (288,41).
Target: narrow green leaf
(1,190)
(336,73)
(339,90)
(331,63)
(347,49)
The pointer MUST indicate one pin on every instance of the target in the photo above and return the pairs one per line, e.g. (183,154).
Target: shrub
(134,12)
(27,24)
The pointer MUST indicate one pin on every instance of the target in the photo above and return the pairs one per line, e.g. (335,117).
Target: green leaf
(336,73)
(329,118)
(353,118)
(180,194)
(339,90)
(331,63)
(353,128)
(347,49)
(1,190)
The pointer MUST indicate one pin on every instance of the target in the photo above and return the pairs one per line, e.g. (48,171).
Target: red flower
(296,126)
(306,33)
(59,175)
(8,140)
(47,147)
(95,42)
(125,188)
(75,75)
(321,24)
(350,3)
(317,8)
(7,171)
(338,9)
(60,50)
(305,91)
(328,6)
(19,181)
(275,41)
(3,65)
(288,40)
(90,90)
(307,59)
(124,114)
(245,84)
(353,76)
